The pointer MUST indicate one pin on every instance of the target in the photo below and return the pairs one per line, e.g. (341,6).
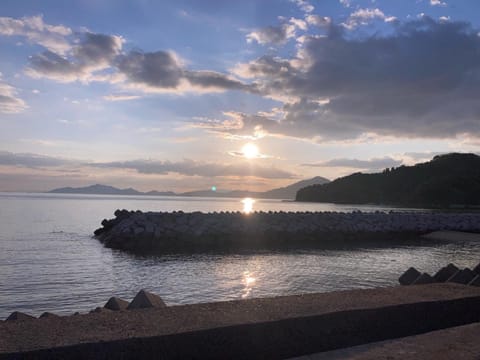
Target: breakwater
(196,231)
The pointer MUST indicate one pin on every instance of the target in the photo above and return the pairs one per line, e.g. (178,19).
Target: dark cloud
(214,80)
(185,167)
(51,65)
(97,48)
(94,53)
(163,70)
(374,164)
(195,168)
(156,69)
(32,160)
(99,57)
(422,80)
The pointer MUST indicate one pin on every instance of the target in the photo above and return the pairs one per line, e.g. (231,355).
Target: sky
(165,95)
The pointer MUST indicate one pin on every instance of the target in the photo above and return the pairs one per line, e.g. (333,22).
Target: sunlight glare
(250,151)
(248,205)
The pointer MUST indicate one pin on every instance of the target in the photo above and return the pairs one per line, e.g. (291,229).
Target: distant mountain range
(450,180)
(287,192)
(99,189)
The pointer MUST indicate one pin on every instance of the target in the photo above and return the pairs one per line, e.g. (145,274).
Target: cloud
(197,168)
(317,20)
(276,35)
(241,154)
(365,16)
(185,167)
(9,102)
(99,57)
(437,3)
(346,3)
(299,23)
(371,164)
(305,6)
(210,80)
(32,160)
(160,69)
(164,71)
(422,80)
(52,37)
(94,53)
(120,97)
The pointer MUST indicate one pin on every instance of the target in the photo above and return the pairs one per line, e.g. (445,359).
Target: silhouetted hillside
(287,192)
(447,180)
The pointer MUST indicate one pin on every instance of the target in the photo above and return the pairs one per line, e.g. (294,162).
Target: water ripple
(50,262)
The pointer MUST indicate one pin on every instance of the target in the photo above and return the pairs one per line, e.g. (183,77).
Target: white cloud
(320,21)
(277,35)
(365,16)
(52,37)
(305,6)
(437,3)
(299,23)
(120,97)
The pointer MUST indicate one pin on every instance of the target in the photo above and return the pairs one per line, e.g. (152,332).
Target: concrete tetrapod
(409,276)
(445,273)
(47,314)
(17,315)
(462,277)
(475,281)
(476,269)
(424,279)
(115,303)
(145,299)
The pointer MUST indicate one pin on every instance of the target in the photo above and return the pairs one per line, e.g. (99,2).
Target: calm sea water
(50,262)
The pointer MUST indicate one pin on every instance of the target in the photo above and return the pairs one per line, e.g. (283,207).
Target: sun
(250,151)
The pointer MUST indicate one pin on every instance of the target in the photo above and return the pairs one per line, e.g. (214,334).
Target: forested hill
(445,181)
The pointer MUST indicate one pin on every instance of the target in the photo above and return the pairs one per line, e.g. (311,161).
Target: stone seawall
(269,328)
(196,231)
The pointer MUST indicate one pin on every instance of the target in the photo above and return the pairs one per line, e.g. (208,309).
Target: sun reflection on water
(248,281)
(248,205)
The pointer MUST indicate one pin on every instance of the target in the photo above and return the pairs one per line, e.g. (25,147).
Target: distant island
(287,192)
(447,181)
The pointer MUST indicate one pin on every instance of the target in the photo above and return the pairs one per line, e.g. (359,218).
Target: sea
(49,260)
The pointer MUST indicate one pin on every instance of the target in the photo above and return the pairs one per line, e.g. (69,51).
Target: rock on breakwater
(197,231)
